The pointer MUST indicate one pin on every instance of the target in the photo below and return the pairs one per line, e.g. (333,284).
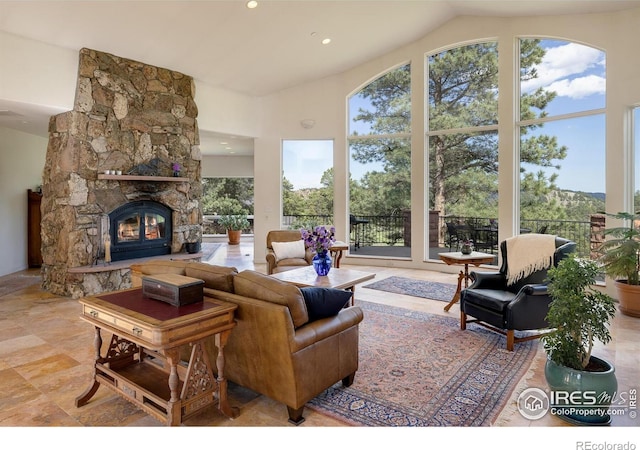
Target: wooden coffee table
(142,363)
(474,258)
(337,278)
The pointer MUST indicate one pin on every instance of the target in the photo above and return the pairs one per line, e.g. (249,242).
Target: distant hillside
(598,195)
(579,205)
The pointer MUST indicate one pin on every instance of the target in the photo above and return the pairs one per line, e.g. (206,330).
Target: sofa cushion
(257,285)
(214,277)
(287,250)
(324,302)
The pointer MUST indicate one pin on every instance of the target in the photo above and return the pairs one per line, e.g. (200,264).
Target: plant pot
(629,298)
(582,397)
(234,236)
(192,247)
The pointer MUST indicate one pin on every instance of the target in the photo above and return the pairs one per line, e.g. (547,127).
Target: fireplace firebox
(139,229)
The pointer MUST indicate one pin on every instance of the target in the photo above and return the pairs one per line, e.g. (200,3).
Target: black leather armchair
(506,309)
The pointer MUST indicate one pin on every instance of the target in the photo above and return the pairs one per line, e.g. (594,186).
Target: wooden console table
(142,363)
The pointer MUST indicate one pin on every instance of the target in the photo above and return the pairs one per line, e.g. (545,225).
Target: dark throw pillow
(324,302)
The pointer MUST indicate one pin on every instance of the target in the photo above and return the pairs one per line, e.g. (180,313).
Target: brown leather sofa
(273,264)
(274,349)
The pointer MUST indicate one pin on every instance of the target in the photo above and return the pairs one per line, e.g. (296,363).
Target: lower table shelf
(147,385)
(142,363)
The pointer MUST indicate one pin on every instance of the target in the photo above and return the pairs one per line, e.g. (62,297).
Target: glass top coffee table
(338,278)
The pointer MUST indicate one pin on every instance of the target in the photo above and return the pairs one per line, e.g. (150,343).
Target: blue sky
(574,71)
(304,161)
(577,74)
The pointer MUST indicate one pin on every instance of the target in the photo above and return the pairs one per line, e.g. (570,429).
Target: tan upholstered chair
(275,265)
(278,351)
(281,347)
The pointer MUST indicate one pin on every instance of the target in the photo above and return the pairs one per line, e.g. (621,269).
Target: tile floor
(46,357)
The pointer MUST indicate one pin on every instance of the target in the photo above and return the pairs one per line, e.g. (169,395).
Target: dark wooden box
(174,289)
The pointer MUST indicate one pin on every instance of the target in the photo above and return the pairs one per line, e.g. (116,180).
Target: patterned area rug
(419,369)
(416,288)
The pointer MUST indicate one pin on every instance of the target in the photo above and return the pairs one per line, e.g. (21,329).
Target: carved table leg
(83,399)
(174,416)
(456,296)
(223,402)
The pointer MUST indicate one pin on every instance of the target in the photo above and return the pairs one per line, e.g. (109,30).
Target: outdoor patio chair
(457,234)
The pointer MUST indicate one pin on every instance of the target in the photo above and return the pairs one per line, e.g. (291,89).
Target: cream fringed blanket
(528,253)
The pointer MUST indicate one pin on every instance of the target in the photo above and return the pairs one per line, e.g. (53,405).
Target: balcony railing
(586,234)
(365,230)
(380,231)
(371,231)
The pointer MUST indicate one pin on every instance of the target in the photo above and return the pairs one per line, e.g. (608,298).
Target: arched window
(636,147)
(462,136)
(562,138)
(380,166)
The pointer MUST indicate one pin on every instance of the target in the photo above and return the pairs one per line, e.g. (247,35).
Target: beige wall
(274,118)
(227,166)
(21,161)
(325,101)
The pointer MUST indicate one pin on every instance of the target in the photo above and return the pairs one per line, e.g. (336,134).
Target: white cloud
(564,70)
(579,87)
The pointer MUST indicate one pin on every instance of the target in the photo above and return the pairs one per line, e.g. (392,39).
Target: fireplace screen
(140,229)
(129,227)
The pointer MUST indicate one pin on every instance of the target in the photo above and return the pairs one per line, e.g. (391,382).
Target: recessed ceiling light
(252,4)
(224,143)
(325,41)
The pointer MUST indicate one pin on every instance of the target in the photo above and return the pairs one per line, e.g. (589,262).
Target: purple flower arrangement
(320,239)
(176,167)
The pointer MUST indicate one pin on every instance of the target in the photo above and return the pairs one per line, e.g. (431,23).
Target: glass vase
(322,263)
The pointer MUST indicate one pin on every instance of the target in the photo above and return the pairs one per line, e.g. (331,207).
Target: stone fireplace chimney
(129,118)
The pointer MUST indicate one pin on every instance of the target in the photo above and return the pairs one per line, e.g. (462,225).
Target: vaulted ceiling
(256,51)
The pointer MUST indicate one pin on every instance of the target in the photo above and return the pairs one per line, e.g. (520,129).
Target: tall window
(562,138)
(463,147)
(307,183)
(636,146)
(380,166)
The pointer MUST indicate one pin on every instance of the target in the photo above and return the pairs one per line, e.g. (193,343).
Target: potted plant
(579,315)
(620,258)
(234,224)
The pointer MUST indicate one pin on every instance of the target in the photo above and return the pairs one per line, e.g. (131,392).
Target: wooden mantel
(103,176)
(101,266)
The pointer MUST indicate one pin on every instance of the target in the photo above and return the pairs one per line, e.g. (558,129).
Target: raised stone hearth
(129,117)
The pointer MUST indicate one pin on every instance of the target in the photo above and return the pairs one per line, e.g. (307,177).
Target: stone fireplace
(140,229)
(109,185)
